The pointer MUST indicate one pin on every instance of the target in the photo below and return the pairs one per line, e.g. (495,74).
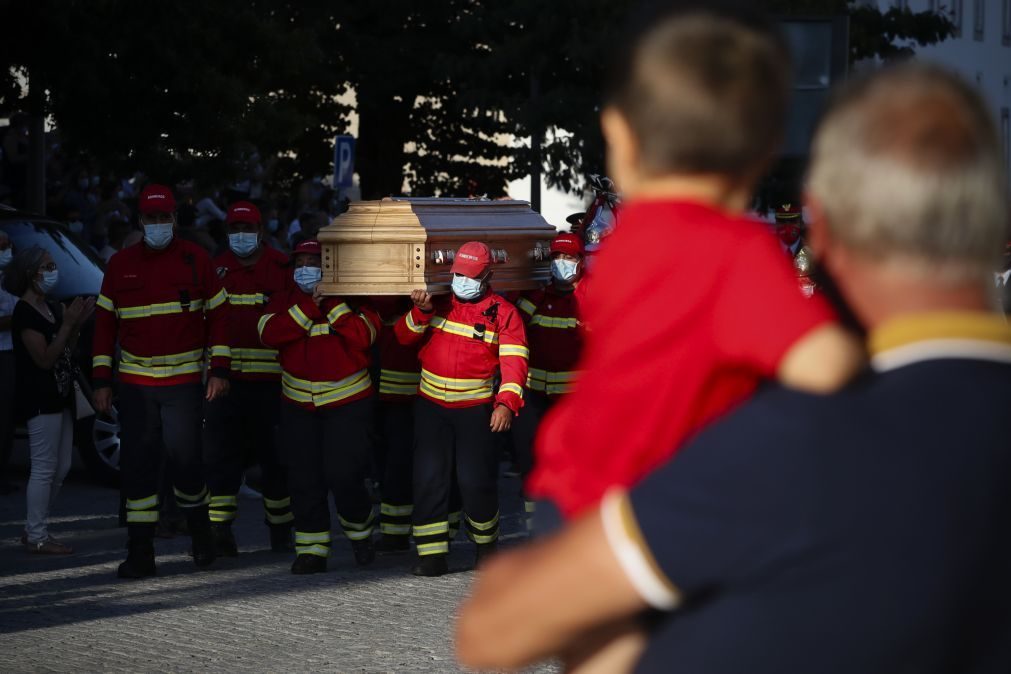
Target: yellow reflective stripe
(340,310)
(358,526)
(561,377)
(104,302)
(218,501)
(161,371)
(254,367)
(324,392)
(372,329)
(483,526)
(219,298)
(481,539)
(454,518)
(353,535)
(431,529)
(453,384)
(318,550)
(192,499)
(142,503)
(462,330)
(299,317)
(101,361)
(398,389)
(221,352)
(247,300)
(307,537)
(394,529)
(277,503)
(221,516)
(440,548)
(167,359)
(554,322)
(319,330)
(161,309)
(396,511)
(260,324)
(243,353)
(455,396)
(400,377)
(141,516)
(526,305)
(513,350)
(530,506)
(280,519)
(513,388)
(414,327)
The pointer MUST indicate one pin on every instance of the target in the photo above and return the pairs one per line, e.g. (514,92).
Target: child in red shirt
(691,303)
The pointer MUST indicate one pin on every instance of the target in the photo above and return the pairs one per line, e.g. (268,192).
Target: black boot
(390,544)
(304,564)
(484,550)
(431,565)
(139,559)
(365,552)
(224,541)
(280,538)
(201,536)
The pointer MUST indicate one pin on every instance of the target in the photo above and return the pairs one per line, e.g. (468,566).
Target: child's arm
(822,361)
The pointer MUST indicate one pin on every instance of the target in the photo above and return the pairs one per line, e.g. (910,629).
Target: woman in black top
(44,334)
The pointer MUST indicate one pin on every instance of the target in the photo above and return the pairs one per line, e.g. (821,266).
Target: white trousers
(50,442)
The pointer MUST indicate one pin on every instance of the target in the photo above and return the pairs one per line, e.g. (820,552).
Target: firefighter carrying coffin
(394,246)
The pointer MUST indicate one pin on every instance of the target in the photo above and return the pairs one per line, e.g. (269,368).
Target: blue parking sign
(343,161)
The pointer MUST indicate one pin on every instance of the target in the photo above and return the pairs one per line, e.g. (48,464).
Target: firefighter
(243,426)
(326,409)
(465,340)
(166,307)
(554,334)
(790,230)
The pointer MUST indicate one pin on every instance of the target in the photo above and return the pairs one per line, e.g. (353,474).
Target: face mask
(76,226)
(83,183)
(272,225)
(48,280)
(788,234)
(564,270)
(467,288)
(307,278)
(121,195)
(243,243)
(158,236)
(5,257)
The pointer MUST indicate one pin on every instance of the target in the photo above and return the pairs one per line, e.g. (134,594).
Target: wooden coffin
(394,246)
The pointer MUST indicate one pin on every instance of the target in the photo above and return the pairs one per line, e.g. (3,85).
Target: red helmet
(472,260)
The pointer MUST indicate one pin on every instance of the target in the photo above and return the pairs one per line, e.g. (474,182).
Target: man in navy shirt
(865,531)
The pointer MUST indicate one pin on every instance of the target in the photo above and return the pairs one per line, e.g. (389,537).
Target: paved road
(247,614)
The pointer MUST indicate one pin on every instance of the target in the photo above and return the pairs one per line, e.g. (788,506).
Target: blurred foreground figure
(864,531)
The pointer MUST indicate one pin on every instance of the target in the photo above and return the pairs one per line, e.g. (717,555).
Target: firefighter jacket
(168,309)
(555,337)
(399,369)
(249,289)
(463,345)
(323,351)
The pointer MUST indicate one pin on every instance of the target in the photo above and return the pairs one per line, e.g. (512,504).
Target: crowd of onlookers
(100,205)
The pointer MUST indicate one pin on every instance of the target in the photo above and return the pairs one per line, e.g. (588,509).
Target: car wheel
(97,439)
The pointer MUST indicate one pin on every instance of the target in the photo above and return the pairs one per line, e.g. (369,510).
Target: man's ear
(622,149)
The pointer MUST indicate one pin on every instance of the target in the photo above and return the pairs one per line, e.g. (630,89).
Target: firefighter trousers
(396,426)
(152,418)
(448,439)
(524,430)
(327,450)
(240,429)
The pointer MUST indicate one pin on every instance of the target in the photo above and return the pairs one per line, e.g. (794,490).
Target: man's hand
(422,299)
(102,400)
(501,419)
(317,295)
(217,388)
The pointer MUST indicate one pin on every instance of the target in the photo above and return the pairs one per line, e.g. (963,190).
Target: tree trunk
(383,128)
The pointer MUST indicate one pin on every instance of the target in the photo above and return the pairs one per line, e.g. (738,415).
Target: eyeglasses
(48,267)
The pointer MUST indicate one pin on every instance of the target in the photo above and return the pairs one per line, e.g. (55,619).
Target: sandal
(49,546)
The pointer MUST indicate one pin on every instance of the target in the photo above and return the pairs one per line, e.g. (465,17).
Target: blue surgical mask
(5,257)
(307,278)
(564,270)
(48,281)
(467,288)
(244,243)
(272,225)
(76,226)
(158,236)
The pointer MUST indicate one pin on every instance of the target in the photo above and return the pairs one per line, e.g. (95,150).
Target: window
(1005,33)
(978,19)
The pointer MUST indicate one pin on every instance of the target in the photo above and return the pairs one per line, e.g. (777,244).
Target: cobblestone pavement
(247,614)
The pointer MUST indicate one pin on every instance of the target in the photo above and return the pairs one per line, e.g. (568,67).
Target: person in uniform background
(1002,280)
(555,337)
(327,409)
(790,229)
(7,302)
(163,302)
(465,339)
(241,428)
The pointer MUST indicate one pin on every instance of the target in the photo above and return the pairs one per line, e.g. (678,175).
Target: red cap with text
(567,243)
(243,211)
(307,247)
(472,260)
(156,199)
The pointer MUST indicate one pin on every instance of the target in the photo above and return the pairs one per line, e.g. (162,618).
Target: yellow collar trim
(912,328)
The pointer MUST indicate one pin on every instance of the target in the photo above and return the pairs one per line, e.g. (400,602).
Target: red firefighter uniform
(326,413)
(164,305)
(243,426)
(464,345)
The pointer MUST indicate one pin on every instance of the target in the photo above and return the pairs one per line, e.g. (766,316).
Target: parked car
(81,271)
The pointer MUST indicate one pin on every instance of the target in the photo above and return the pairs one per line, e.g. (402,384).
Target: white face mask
(5,257)
(158,236)
(307,278)
(467,288)
(48,281)
(76,226)
(244,243)
(564,270)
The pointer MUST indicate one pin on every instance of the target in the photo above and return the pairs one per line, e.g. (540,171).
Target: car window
(80,267)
